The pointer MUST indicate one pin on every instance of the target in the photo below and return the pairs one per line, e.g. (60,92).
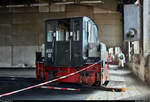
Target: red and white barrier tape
(59,88)
(47,82)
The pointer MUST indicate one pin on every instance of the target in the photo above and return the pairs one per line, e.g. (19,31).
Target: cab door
(76,42)
(62,45)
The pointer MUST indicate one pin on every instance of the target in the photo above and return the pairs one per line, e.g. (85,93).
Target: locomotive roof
(69,18)
(73,18)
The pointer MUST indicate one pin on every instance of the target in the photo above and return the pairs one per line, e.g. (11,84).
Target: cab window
(76,33)
(62,32)
(49,32)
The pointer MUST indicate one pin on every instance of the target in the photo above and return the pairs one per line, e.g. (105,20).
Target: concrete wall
(140,63)
(110,28)
(5,56)
(140,67)
(22,29)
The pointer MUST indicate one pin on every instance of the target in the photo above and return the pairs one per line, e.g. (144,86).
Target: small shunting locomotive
(71,44)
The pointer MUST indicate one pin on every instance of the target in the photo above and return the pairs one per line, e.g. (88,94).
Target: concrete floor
(135,88)
(20,78)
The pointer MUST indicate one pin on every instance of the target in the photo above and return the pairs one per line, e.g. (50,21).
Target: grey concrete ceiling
(4,3)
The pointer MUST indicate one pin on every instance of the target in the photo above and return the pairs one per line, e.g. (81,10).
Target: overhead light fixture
(40,4)
(32,5)
(64,3)
(86,2)
(81,2)
(14,6)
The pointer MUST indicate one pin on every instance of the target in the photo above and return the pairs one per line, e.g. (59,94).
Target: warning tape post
(58,88)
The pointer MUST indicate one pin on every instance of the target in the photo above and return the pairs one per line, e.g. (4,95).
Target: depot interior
(22,31)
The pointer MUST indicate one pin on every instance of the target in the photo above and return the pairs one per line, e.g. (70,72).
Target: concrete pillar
(146,27)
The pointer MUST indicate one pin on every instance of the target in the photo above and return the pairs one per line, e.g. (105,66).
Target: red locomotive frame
(89,76)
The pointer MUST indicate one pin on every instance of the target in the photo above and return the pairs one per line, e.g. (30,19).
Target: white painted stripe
(58,88)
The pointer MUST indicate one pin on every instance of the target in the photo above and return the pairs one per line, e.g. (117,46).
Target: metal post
(129,51)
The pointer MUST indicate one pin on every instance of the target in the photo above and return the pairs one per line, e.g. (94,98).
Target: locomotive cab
(70,42)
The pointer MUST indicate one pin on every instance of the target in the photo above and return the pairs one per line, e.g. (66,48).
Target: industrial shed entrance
(122,25)
(22,25)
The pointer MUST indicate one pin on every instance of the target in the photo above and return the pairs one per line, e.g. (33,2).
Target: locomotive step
(113,89)
(109,88)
